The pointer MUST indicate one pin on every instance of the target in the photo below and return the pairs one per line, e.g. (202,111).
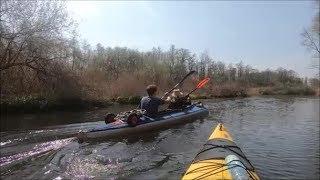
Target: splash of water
(35,151)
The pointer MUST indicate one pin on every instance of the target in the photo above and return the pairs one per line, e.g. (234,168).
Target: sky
(261,34)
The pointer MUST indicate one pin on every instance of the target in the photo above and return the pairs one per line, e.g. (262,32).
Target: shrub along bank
(32,104)
(288,90)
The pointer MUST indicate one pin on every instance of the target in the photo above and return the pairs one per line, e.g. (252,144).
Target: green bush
(134,99)
(288,90)
(128,100)
(122,100)
(23,104)
(197,96)
(30,104)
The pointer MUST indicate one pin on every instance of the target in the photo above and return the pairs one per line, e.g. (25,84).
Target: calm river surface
(280,135)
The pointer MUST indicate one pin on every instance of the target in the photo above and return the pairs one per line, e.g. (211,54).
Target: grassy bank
(234,91)
(32,104)
(288,90)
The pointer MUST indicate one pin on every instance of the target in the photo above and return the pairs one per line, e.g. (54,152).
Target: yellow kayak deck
(210,162)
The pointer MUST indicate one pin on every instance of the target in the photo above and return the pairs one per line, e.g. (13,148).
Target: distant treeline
(41,55)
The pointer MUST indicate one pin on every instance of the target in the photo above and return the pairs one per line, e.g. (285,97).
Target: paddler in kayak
(177,100)
(151,102)
(176,94)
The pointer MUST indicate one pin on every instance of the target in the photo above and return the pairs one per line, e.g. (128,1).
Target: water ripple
(280,136)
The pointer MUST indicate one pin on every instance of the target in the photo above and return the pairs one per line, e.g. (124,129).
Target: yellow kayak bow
(220,158)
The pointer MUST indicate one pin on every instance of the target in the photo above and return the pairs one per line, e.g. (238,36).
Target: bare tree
(311,41)
(34,45)
(203,63)
(32,33)
(311,37)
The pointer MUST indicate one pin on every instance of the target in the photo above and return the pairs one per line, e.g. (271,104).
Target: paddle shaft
(191,92)
(184,78)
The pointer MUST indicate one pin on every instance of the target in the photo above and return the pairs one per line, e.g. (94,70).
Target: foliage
(311,37)
(41,54)
(229,90)
(287,90)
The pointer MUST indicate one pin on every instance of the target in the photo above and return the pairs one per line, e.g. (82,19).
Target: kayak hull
(117,129)
(211,162)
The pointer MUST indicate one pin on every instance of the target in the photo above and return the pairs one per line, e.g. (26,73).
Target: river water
(280,135)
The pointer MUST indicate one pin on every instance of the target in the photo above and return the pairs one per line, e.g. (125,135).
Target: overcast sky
(261,34)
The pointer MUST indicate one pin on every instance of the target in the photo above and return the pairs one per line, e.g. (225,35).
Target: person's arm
(139,106)
(165,99)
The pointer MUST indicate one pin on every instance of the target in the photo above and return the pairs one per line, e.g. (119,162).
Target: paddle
(179,83)
(200,85)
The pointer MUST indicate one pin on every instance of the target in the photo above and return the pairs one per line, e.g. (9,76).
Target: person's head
(151,90)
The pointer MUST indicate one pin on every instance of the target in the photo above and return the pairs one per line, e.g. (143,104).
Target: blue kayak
(146,123)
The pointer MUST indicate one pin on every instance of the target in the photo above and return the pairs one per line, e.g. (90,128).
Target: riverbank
(35,104)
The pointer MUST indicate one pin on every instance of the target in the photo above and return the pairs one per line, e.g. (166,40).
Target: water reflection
(280,135)
(41,120)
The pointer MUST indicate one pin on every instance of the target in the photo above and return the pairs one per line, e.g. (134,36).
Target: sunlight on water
(283,129)
(36,150)
(8,142)
(5,142)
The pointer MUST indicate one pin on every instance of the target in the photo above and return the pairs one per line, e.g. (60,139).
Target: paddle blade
(202,83)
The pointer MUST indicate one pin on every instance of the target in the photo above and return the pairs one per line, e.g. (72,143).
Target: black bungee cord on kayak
(219,166)
(228,147)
